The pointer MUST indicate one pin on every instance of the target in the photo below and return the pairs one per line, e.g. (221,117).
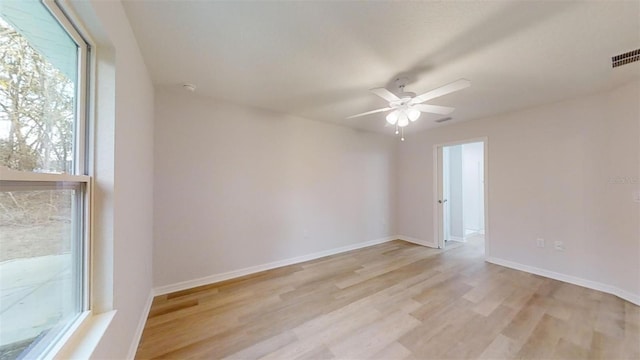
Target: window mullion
(7,174)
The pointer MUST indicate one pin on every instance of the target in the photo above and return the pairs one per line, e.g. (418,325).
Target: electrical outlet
(559,245)
(636,196)
(540,242)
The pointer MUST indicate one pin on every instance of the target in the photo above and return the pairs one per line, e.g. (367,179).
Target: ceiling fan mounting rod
(401,82)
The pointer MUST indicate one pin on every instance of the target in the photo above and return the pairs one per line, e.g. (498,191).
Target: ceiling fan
(406,107)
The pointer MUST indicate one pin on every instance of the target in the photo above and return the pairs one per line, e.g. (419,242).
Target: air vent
(443,120)
(625,58)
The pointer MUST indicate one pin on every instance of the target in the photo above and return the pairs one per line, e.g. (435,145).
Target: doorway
(461,190)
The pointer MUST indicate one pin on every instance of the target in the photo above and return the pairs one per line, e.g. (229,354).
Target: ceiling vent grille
(625,58)
(443,120)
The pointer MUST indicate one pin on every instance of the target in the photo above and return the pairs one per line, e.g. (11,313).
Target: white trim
(53,347)
(7,174)
(462,142)
(485,231)
(133,348)
(85,160)
(66,24)
(633,298)
(436,197)
(417,241)
(84,340)
(436,194)
(184,285)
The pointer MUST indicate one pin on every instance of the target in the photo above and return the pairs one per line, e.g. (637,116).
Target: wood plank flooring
(392,301)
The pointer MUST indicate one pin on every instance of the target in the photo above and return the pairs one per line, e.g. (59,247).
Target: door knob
(442,201)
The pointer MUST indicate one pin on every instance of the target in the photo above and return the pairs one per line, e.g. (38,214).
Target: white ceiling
(318,59)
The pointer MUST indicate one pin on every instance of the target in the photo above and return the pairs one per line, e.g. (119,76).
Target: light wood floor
(392,301)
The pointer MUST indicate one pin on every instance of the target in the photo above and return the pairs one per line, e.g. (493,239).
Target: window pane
(38,86)
(40,258)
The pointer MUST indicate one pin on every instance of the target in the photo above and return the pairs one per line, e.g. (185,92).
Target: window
(44,187)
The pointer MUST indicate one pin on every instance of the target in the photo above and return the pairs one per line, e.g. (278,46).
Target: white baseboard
(141,322)
(633,298)
(457,238)
(183,285)
(417,241)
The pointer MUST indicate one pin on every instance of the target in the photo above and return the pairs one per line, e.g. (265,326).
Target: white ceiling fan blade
(443,90)
(434,109)
(369,112)
(385,94)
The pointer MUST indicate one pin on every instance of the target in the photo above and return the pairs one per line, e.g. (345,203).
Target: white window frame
(81,169)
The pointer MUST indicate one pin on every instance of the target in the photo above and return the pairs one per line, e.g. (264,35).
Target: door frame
(438,231)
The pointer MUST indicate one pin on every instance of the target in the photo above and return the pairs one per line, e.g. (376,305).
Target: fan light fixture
(413,114)
(392,117)
(402,117)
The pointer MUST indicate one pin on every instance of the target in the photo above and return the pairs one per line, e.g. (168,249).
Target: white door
(441,201)
(445,221)
(446,189)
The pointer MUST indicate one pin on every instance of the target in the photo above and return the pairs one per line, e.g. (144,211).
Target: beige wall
(549,176)
(238,187)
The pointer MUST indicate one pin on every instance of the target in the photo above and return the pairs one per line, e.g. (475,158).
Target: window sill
(83,339)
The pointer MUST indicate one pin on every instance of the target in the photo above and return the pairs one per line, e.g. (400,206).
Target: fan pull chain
(397,132)
(402,136)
